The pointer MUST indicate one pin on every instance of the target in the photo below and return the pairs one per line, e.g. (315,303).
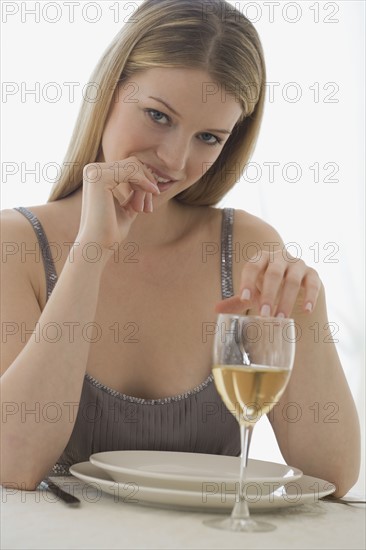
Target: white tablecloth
(37,519)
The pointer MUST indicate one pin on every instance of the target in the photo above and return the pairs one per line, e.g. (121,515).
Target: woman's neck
(168,224)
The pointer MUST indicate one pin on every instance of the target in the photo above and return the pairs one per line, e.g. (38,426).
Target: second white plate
(189,471)
(306,490)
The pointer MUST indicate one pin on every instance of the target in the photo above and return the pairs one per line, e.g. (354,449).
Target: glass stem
(241,509)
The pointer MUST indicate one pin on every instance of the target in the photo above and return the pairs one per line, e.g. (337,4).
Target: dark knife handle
(62,495)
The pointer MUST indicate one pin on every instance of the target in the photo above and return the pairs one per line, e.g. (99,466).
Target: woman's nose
(173,153)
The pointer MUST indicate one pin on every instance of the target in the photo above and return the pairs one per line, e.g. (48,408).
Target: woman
(120,354)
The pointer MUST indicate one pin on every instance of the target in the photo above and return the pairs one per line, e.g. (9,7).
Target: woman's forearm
(47,376)
(316,421)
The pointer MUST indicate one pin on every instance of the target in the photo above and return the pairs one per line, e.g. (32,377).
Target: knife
(60,493)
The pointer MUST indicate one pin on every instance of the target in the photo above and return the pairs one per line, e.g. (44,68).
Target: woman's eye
(156,116)
(216,141)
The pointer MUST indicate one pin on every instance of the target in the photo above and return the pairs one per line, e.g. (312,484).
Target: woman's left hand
(272,284)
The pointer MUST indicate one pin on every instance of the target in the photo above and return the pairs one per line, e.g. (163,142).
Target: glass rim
(260,317)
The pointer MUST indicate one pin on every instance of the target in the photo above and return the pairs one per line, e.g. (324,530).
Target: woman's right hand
(113,194)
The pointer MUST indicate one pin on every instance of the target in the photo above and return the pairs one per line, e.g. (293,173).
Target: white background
(314,115)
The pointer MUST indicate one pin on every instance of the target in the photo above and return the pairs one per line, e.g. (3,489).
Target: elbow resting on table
(344,482)
(12,477)
(339,465)
(343,473)
(343,464)
(18,485)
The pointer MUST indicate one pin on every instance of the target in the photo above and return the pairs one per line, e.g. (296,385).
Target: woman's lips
(164,186)
(158,174)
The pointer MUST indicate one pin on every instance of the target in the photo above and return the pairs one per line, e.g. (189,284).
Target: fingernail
(309,307)
(245,294)
(265,310)
(280,315)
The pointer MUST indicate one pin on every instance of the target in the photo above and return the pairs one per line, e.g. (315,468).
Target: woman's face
(176,121)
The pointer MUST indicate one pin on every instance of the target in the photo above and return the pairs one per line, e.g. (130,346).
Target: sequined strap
(227,288)
(59,470)
(51,275)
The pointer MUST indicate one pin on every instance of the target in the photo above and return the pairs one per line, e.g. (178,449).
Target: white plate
(306,490)
(188,471)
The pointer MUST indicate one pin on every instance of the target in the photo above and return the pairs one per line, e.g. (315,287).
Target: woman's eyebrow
(179,116)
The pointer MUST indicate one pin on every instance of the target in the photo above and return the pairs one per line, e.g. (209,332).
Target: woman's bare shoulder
(19,251)
(12,216)
(16,227)
(252,229)
(51,216)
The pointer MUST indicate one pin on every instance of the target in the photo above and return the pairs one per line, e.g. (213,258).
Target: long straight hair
(209,35)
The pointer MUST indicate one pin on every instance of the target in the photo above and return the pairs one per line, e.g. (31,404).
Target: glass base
(240,525)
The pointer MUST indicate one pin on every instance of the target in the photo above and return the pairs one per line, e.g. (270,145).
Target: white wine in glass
(253,359)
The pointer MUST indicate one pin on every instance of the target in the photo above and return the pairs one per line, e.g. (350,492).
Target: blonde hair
(209,35)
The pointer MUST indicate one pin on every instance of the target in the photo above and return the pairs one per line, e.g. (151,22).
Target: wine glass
(253,359)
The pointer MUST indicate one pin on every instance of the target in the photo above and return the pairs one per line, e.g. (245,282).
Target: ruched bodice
(196,421)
